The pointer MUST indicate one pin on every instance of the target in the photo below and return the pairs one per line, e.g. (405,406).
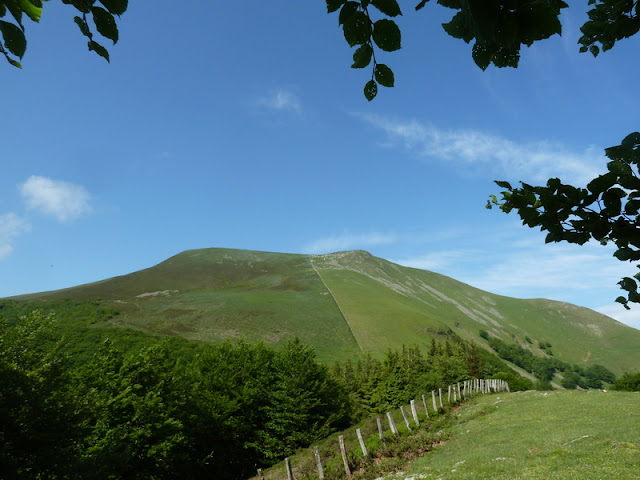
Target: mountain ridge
(343,304)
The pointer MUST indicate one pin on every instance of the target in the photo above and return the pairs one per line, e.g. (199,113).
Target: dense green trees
(544,368)
(376,386)
(161,411)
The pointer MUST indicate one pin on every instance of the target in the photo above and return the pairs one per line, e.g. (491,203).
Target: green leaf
(334,5)
(628,284)
(99,49)
(386,34)
(481,55)
(347,11)
(384,75)
(105,23)
(362,56)
(15,63)
(388,7)
(602,183)
(357,29)
(14,38)
(503,184)
(33,8)
(116,7)
(82,25)
(370,90)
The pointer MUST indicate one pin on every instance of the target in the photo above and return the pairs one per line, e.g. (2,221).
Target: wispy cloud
(617,311)
(349,241)
(440,260)
(533,161)
(63,200)
(10,227)
(281,99)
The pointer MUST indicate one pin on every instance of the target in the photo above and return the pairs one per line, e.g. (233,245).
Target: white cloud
(63,200)
(534,161)
(10,227)
(349,241)
(617,311)
(281,100)
(440,260)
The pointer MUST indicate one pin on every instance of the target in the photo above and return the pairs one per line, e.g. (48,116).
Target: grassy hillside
(343,304)
(530,435)
(541,435)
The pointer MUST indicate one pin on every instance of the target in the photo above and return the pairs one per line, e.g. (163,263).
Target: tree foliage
(605,211)
(91,16)
(214,411)
(497,29)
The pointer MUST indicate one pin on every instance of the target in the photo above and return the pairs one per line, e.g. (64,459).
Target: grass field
(527,435)
(541,435)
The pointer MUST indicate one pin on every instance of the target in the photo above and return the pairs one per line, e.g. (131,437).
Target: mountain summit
(343,304)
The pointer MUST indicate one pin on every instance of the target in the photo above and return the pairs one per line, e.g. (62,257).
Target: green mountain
(343,304)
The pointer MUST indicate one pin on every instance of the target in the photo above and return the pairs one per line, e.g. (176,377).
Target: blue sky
(241,125)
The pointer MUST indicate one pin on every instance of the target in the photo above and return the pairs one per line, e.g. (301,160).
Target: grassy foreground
(540,435)
(526,435)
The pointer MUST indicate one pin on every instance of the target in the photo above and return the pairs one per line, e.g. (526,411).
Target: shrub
(628,382)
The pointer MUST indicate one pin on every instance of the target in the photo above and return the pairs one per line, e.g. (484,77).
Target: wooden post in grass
(361,440)
(459,395)
(381,432)
(316,454)
(455,399)
(345,459)
(392,424)
(426,410)
(433,397)
(414,412)
(289,472)
(404,416)
(440,396)
(449,395)
(260,475)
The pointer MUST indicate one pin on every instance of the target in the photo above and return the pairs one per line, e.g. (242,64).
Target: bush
(628,382)
(484,334)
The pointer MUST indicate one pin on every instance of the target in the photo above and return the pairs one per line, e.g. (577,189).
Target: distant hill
(343,304)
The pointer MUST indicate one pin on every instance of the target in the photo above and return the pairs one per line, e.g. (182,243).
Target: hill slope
(343,304)
(540,435)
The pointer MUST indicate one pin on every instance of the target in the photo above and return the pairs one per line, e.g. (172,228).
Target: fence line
(469,388)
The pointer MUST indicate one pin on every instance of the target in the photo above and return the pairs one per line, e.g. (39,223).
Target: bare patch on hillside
(164,293)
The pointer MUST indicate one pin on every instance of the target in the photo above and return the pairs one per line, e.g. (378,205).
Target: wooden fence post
(345,459)
(260,475)
(316,454)
(414,412)
(404,416)
(361,440)
(381,432)
(440,396)
(459,395)
(433,397)
(455,399)
(289,472)
(426,410)
(449,395)
(392,424)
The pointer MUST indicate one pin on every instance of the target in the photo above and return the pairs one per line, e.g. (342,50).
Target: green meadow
(540,435)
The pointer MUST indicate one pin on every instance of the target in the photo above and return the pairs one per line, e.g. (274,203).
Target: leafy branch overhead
(14,43)
(497,28)
(361,31)
(606,210)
